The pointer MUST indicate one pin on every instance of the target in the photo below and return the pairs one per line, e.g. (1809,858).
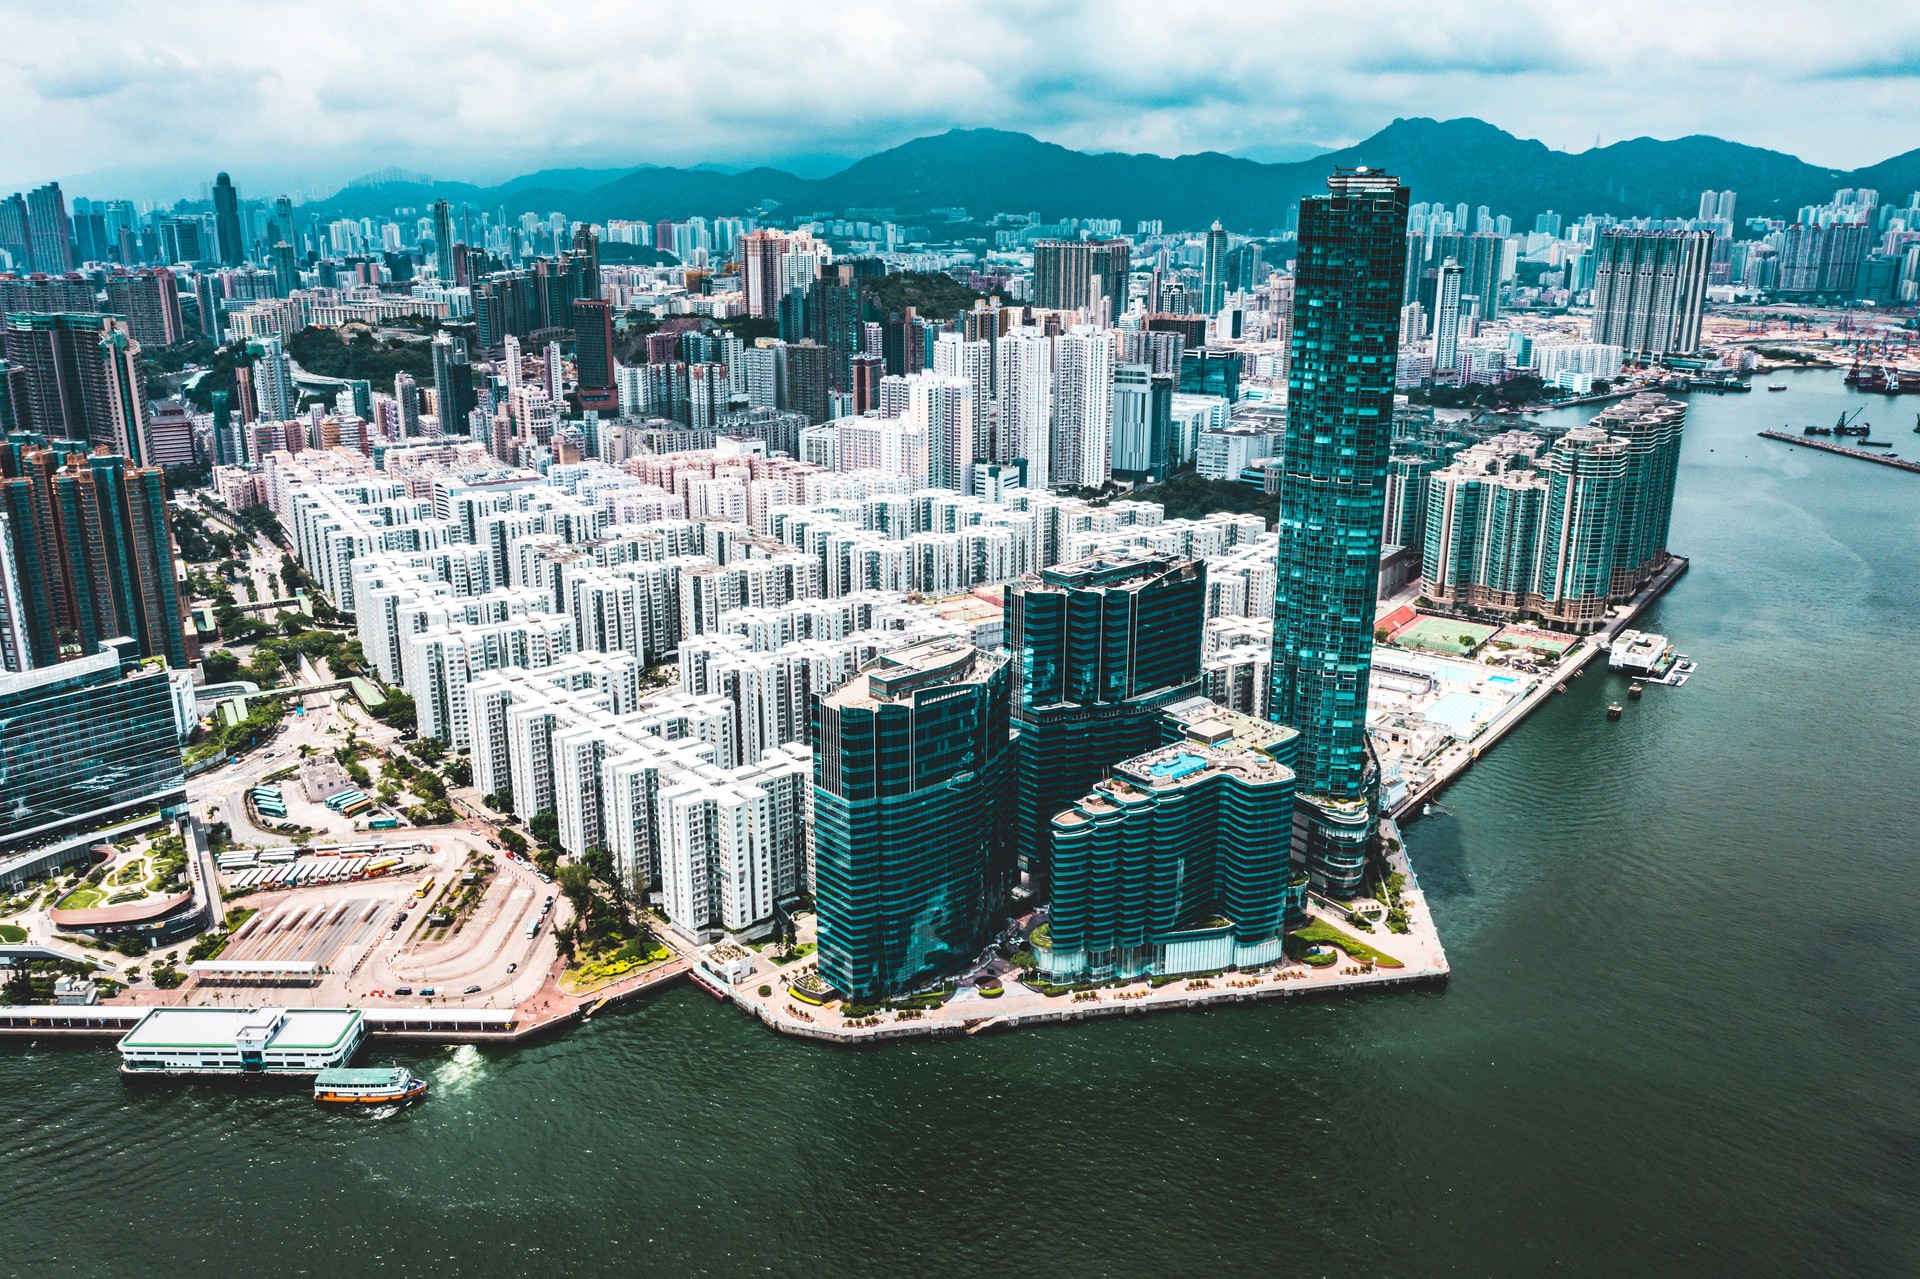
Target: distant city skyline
(482,93)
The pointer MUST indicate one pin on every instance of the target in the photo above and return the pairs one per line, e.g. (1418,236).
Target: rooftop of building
(140,912)
(1639,643)
(212,1028)
(896,676)
(1189,763)
(1122,568)
(94,668)
(1208,723)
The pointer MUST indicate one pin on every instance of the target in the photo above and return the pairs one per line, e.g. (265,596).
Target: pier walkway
(1884,459)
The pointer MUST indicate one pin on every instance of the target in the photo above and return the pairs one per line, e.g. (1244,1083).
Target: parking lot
(447,930)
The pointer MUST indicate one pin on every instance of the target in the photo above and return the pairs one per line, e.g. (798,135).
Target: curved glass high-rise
(912,817)
(1178,862)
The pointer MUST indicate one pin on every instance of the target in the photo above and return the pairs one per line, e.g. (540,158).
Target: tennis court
(1546,643)
(1443,635)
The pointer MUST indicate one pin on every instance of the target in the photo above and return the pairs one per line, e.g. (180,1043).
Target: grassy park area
(605,959)
(1321,933)
(84,897)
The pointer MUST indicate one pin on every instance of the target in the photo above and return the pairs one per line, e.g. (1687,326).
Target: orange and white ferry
(368,1086)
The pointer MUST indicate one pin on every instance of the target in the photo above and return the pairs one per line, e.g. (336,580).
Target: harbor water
(1680,1038)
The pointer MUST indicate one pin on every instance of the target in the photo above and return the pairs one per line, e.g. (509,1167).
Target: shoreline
(1422,956)
(1422,959)
(1575,661)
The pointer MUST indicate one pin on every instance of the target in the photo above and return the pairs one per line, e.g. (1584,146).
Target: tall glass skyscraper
(1100,648)
(1213,288)
(230,247)
(443,242)
(912,836)
(1333,483)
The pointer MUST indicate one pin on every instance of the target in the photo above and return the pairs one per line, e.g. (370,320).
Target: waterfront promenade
(1458,758)
(1421,959)
(548,1008)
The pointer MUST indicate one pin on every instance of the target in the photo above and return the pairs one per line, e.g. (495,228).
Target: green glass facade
(1562,532)
(1180,861)
(1100,648)
(913,854)
(82,743)
(81,379)
(1574,572)
(1650,426)
(1209,372)
(1346,336)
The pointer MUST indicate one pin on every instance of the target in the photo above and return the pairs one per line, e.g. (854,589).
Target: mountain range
(987,171)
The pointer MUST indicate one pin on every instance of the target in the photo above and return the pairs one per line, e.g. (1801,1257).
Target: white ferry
(368,1086)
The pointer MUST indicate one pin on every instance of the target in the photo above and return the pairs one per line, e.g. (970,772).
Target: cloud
(278,91)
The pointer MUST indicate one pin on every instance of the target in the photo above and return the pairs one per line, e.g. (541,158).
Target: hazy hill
(991,171)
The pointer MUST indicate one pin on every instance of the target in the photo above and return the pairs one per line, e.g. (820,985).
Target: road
(206,876)
(219,794)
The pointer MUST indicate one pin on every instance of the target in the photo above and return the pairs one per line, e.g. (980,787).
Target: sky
(149,99)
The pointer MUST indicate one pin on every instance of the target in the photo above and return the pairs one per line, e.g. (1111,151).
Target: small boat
(1775,386)
(1634,690)
(1615,710)
(368,1086)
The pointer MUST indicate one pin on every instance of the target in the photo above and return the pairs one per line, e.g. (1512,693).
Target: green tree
(259,518)
(266,667)
(398,712)
(545,826)
(599,864)
(577,887)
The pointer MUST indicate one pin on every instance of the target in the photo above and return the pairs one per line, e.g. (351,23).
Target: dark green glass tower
(1099,648)
(1333,483)
(912,817)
